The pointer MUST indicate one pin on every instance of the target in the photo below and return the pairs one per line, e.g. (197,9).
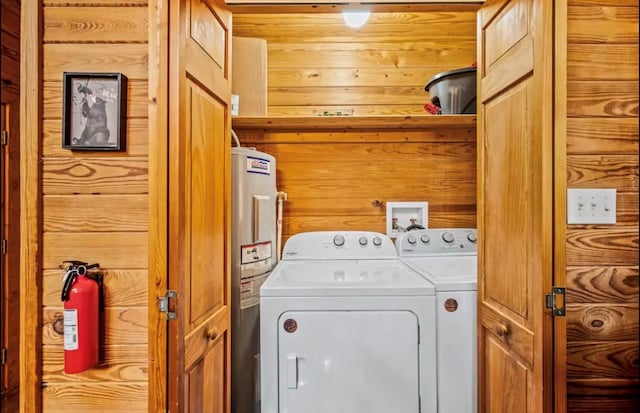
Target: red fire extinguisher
(82,297)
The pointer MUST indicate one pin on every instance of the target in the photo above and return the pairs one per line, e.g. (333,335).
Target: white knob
(377,241)
(411,239)
(338,240)
(448,237)
(363,241)
(425,239)
(472,237)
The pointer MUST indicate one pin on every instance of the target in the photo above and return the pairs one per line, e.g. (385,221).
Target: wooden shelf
(353,122)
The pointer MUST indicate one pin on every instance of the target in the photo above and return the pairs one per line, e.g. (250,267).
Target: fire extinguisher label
(71,329)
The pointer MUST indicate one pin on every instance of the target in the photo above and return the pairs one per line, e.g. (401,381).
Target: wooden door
(515,205)
(199,197)
(10,257)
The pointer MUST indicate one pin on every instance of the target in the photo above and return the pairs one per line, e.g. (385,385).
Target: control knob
(472,237)
(411,239)
(363,241)
(377,241)
(425,239)
(338,240)
(448,237)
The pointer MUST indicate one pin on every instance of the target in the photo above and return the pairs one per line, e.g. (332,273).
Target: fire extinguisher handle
(82,269)
(69,278)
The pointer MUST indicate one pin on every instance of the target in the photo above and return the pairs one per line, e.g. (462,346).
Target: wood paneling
(316,63)
(94,176)
(137,141)
(602,284)
(588,24)
(123,326)
(602,152)
(111,250)
(596,135)
(95,24)
(616,359)
(130,59)
(602,61)
(95,205)
(603,171)
(606,98)
(93,397)
(341,179)
(122,288)
(95,213)
(610,322)
(120,363)
(10,56)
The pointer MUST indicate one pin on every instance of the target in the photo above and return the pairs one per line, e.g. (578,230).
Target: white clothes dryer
(448,258)
(346,327)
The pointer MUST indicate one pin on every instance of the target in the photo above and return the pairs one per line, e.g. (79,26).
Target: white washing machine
(346,327)
(448,258)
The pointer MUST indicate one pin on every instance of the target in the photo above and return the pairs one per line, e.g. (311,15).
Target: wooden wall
(316,63)
(95,205)
(602,152)
(342,179)
(10,97)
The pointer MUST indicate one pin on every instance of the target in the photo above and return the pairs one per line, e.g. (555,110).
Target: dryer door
(348,362)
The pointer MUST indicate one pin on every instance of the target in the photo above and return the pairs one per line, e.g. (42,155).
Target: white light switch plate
(591,206)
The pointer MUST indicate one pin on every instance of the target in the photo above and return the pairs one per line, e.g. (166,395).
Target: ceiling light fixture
(355,18)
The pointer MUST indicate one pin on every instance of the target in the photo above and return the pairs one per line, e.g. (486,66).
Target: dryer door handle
(292,371)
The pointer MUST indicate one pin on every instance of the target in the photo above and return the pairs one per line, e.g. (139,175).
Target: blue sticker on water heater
(258,165)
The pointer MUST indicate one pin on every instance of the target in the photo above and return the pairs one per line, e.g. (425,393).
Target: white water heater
(253,256)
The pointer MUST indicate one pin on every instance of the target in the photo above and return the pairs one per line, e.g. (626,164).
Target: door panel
(206,215)
(501,369)
(515,179)
(199,171)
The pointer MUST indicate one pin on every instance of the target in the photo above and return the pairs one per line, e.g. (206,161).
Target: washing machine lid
(344,278)
(457,273)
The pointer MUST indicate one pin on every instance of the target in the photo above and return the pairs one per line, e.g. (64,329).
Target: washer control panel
(339,245)
(437,241)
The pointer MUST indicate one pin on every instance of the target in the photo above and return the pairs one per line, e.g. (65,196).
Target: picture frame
(94,111)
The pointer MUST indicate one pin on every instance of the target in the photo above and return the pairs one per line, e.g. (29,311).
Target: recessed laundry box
(453,92)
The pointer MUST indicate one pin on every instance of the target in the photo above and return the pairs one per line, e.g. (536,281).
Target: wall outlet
(400,215)
(591,206)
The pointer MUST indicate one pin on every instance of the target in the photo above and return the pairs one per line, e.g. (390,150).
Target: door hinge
(555,303)
(5,137)
(4,355)
(4,247)
(164,304)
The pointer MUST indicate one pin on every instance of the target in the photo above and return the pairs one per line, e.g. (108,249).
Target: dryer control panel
(338,245)
(420,243)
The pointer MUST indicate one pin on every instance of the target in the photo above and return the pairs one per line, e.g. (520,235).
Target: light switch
(591,206)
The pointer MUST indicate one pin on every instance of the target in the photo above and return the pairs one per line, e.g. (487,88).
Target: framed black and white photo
(94,111)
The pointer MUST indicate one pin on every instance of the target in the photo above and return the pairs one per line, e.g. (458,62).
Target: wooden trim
(354,122)
(560,202)
(316,7)
(158,195)
(544,102)
(30,219)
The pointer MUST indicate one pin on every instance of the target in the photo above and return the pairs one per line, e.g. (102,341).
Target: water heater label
(255,259)
(250,290)
(258,165)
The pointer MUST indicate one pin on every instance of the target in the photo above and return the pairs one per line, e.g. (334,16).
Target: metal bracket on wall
(558,306)
(165,306)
